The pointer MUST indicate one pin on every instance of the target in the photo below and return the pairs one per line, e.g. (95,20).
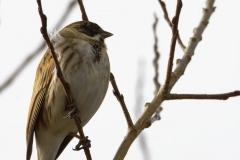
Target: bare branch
(223,96)
(84,14)
(31,56)
(165,12)
(120,98)
(145,120)
(173,44)
(65,84)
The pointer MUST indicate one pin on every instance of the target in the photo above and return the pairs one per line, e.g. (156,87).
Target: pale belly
(88,89)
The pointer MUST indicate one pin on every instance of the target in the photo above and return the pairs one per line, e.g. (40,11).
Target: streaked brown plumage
(84,61)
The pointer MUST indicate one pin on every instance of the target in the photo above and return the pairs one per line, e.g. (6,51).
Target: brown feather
(42,80)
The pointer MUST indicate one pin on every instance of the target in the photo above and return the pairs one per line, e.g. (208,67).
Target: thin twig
(31,56)
(173,44)
(163,5)
(84,14)
(120,98)
(223,96)
(66,86)
(155,64)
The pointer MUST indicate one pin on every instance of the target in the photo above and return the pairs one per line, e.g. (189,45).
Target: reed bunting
(82,56)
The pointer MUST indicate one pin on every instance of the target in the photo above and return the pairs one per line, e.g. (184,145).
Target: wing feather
(41,84)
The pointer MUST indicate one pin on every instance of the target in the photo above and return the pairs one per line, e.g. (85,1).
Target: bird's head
(85,30)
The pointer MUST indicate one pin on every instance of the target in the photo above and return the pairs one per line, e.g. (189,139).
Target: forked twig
(66,86)
(120,98)
(163,5)
(173,44)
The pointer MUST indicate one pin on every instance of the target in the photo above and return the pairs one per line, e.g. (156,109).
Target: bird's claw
(83,144)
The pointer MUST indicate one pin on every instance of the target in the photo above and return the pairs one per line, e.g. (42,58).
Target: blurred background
(188,129)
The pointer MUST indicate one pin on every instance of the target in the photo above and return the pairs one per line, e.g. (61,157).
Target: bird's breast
(87,77)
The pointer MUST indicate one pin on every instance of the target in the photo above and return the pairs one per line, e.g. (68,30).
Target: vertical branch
(173,44)
(84,14)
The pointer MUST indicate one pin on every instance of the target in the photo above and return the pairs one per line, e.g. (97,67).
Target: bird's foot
(74,111)
(83,144)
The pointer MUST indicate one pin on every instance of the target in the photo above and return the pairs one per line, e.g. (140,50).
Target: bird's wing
(43,78)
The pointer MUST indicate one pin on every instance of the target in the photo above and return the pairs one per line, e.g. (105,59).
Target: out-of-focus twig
(165,12)
(157,56)
(31,56)
(18,70)
(65,84)
(156,116)
(120,98)
(84,14)
(138,109)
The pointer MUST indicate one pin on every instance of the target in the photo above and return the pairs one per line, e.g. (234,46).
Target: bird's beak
(105,34)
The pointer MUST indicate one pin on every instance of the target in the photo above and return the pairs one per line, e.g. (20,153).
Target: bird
(83,59)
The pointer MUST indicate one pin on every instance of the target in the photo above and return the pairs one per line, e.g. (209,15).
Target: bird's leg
(73,112)
(83,144)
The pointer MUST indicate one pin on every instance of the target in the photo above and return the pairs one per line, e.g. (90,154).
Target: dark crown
(89,28)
